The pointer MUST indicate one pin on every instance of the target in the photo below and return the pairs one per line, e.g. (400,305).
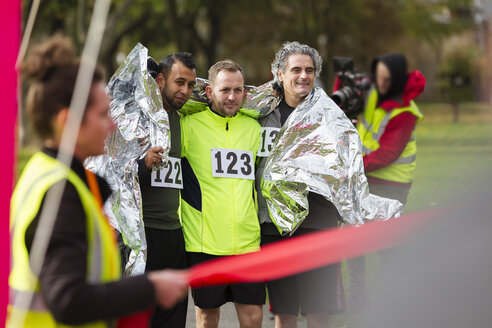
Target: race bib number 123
(232,163)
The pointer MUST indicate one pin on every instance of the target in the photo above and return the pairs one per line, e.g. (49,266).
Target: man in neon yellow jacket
(218,201)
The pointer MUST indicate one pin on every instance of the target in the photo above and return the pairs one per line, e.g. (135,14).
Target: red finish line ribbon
(307,252)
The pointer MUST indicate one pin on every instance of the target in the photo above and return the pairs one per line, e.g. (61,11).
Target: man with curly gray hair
(282,58)
(314,293)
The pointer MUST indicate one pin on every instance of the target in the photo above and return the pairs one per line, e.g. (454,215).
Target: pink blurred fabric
(10,25)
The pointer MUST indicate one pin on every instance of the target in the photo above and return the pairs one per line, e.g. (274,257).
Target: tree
(457,71)
(256,29)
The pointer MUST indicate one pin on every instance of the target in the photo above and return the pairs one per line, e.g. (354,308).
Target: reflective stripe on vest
(366,124)
(405,160)
(103,264)
(37,301)
(400,160)
(377,135)
(382,126)
(366,150)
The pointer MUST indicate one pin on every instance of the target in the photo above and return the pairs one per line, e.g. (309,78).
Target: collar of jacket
(220,120)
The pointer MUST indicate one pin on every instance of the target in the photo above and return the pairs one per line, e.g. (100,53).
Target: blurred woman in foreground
(79,282)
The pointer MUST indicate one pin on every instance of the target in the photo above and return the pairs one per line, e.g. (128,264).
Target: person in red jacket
(387,131)
(396,88)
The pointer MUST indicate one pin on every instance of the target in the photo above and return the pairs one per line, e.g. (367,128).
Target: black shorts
(315,291)
(215,296)
(166,250)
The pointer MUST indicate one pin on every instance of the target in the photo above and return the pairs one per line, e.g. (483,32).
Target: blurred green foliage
(250,31)
(458,70)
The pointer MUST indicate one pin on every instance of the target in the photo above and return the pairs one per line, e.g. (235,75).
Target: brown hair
(52,69)
(224,65)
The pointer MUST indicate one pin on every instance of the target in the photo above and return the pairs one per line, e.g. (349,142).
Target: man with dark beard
(175,76)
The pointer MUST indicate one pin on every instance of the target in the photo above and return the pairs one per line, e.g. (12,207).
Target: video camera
(353,85)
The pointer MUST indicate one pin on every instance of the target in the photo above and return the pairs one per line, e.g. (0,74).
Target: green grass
(452,158)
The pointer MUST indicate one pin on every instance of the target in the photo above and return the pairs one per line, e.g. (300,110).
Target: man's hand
(170,286)
(153,156)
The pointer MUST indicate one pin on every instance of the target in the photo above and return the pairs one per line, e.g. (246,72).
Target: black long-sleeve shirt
(160,205)
(67,294)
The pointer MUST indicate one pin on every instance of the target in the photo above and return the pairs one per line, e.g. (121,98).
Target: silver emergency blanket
(198,100)
(319,150)
(142,122)
(259,101)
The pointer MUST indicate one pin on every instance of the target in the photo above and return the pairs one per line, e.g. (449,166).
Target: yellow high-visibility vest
(103,258)
(371,128)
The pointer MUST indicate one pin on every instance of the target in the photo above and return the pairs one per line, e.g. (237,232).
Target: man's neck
(215,112)
(220,114)
(293,101)
(166,105)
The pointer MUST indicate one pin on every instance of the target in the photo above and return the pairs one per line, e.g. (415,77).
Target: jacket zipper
(234,232)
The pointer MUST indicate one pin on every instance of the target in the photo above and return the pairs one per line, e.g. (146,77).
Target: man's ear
(161,80)
(208,91)
(280,76)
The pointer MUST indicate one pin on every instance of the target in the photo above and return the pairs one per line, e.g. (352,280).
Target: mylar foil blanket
(142,122)
(318,150)
(259,101)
